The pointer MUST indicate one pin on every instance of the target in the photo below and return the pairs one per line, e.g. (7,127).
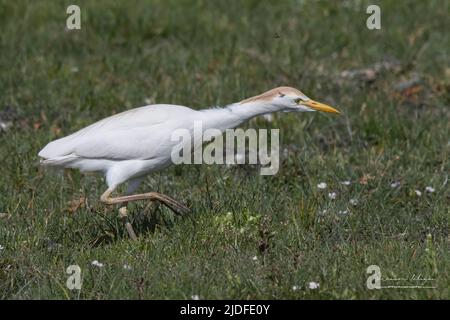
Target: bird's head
(290,100)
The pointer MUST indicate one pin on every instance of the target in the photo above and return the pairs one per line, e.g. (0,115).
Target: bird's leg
(175,206)
(123,214)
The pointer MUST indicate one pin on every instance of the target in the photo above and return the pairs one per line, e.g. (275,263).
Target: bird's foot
(175,206)
(123,214)
(172,204)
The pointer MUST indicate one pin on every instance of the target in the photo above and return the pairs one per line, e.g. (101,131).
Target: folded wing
(135,134)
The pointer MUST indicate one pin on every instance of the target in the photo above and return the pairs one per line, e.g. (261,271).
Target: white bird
(127,146)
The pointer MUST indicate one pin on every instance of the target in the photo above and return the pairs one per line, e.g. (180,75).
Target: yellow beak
(319,106)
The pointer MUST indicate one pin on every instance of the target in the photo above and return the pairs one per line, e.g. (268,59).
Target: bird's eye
(298,101)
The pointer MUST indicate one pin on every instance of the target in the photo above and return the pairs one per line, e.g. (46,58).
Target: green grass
(54,82)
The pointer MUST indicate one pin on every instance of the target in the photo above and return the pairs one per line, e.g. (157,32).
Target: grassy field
(249,236)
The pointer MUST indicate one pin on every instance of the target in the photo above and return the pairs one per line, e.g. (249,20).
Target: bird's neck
(250,110)
(235,114)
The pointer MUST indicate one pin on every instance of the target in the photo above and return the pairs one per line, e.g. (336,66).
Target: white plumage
(131,144)
(123,146)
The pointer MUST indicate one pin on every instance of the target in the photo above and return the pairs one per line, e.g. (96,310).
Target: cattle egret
(127,146)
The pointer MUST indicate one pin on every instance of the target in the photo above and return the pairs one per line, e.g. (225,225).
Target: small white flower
(295,288)
(313,285)
(354,202)
(195,297)
(127,267)
(418,192)
(346,182)
(322,185)
(255,258)
(332,195)
(97,264)
(395,184)
(429,189)
(5,125)
(1,247)
(343,212)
